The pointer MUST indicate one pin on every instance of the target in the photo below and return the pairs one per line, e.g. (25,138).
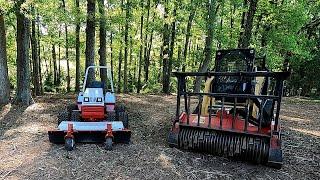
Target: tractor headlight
(99,99)
(86,99)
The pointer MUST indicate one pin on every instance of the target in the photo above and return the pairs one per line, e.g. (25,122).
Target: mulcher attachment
(230,118)
(237,146)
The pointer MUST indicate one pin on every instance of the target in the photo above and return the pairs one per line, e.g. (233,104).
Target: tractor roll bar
(109,76)
(277,75)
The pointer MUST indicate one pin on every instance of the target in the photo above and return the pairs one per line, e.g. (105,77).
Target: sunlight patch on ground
(310,132)
(4,111)
(30,128)
(295,119)
(37,107)
(165,162)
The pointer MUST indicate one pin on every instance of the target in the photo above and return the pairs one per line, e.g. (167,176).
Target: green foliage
(284,27)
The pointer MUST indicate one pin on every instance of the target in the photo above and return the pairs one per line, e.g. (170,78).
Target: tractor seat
(96,84)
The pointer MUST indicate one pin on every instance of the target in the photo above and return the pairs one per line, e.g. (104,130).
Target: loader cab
(233,60)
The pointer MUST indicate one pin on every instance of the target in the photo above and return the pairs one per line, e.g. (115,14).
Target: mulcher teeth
(237,146)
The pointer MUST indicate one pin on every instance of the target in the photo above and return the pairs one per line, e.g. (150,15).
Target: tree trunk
(131,77)
(77,87)
(146,63)
(23,95)
(119,62)
(245,36)
(147,59)
(39,57)
(173,35)
(125,76)
(90,38)
(59,62)
(141,50)
(35,58)
(119,66)
(166,52)
(211,5)
(103,43)
(67,48)
(111,54)
(188,34)
(54,59)
(4,79)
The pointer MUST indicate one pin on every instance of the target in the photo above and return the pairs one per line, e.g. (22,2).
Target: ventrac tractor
(96,117)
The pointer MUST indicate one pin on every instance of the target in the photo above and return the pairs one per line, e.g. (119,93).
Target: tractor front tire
(123,116)
(69,144)
(108,144)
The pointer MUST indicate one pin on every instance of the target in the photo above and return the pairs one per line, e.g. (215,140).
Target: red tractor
(237,113)
(95,118)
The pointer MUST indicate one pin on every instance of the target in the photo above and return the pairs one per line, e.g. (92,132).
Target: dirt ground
(25,151)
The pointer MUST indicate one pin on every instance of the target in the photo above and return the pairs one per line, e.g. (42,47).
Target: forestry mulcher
(237,114)
(95,118)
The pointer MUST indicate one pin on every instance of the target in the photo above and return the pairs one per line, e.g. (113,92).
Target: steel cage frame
(278,90)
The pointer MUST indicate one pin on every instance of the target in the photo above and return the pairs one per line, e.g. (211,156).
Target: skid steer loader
(237,113)
(94,118)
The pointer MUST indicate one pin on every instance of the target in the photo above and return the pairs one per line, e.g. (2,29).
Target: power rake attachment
(95,118)
(235,125)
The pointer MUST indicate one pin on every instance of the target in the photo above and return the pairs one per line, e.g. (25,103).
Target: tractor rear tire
(120,108)
(111,116)
(72,107)
(75,116)
(69,144)
(123,116)
(108,144)
(63,116)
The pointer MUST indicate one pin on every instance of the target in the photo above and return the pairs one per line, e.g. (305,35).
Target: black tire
(108,144)
(69,144)
(75,116)
(111,116)
(72,107)
(123,116)
(63,116)
(120,108)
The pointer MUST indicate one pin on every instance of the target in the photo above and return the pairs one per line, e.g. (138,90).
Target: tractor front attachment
(70,132)
(234,125)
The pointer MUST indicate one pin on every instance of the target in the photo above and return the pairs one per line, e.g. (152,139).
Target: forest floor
(26,153)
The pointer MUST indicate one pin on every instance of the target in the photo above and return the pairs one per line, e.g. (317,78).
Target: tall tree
(166,53)
(146,63)
(210,23)
(141,48)
(59,56)
(188,34)
(77,88)
(172,40)
(23,95)
(35,58)
(66,48)
(90,38)
(4,79)
(54,59)
(39,53)
(102,38)
(120,61)
(247,24)
(126,30)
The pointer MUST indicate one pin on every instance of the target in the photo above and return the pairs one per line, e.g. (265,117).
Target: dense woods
(46,45)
